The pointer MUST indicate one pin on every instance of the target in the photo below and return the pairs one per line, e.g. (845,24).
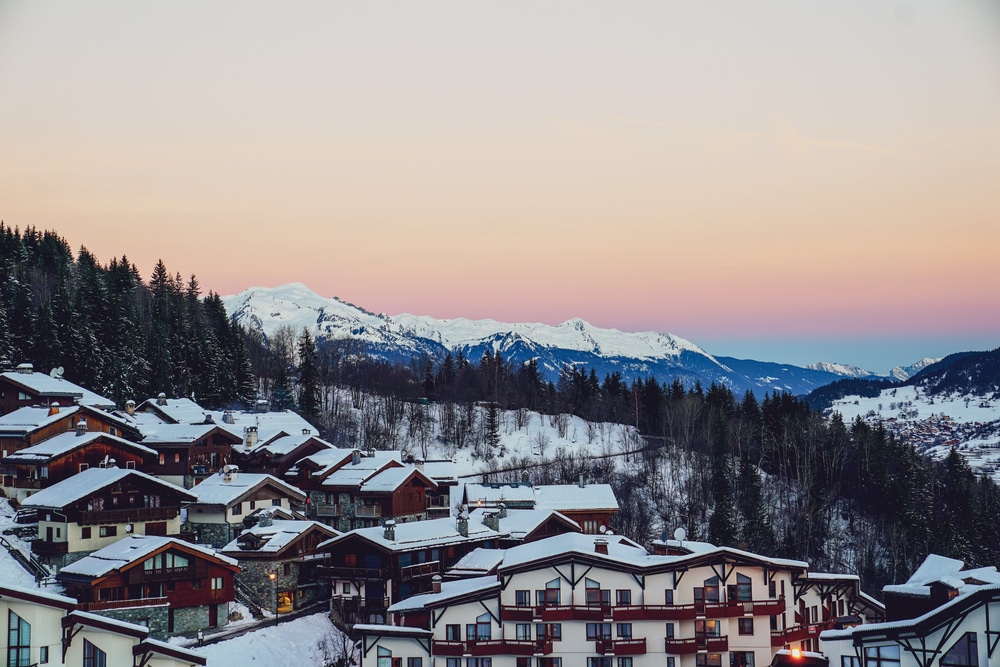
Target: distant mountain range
(574,342)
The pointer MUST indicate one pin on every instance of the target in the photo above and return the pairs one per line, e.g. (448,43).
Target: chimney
(420,465)
(524,478)
(462,522)
(250,436)
(130,407)
(390,530)
(53,408)
(356,457)
(209,419)
(265,521)
(81,426)
(227,417)
(161,399)
(582,483)
(492,521)
(436,583)
(230,473)
(306,431)
(25,369)
(601,545)
(502,510)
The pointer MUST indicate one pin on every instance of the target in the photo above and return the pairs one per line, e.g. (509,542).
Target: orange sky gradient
(744,172)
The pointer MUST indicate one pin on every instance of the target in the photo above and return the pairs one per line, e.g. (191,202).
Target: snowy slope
(903,373)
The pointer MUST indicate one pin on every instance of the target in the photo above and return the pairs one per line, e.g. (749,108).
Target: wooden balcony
(551,613)
(650,612)
(695,644)
(744,608)
(487,647)
(43,548)
(131,515)
(681,646)
(353,573)
(368,512)
(324,509)
(621,646)
(419,570)
(798,633)
(104,605)
(517,613)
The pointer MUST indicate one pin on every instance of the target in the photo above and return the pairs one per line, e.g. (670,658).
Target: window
(706,628)
(236,509)
(165,561)
(624,631)
(523,662)
(253,504)
(522,598)
(130,465)
(742,591)
(276,502)
(771,592)
(774,624)
(345,588)
(670,630)
(623,598)
(93,656)
(598,662)
(18,641)
(550,596)
(384,657)
(964,653)
(414,662)
(882,656)
(286,568)
(746,626)
(480,630)
(671,662)
(625,662)
(83,466)
(479,662)
(709,660)
(711,590)
(548,662)
(451,633)
(217,583)
(549,631)
(598,631)
(522,631)
(850,661)
(741,659)
(196,585)
(596,596)
(454,662)
(43,655)
(163,459)
(668,597)
(177,457)
(107,531)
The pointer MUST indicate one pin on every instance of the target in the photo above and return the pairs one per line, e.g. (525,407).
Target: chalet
(167,585)
(24,387)
(592,506)
(279,453)
(580,599)
(227,497)
(348,489)
(943,615)
(278,561)
(61,456)
(44,628)
(189,453)
(519,526)
(444,474)
(371,568)
(98,506)
(29,426)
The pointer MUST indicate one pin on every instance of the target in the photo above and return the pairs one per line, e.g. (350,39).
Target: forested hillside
(111,331)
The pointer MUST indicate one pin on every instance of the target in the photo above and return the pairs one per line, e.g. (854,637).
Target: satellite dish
(680,534)
(57,372)
(602,529)
(128,528)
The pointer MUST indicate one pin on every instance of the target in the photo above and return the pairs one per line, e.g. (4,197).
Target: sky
(783,180)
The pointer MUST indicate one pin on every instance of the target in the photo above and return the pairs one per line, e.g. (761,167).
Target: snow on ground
(11,572)
(298,642)
(935,424)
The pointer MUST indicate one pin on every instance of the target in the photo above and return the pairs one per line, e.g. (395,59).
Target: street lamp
(273,576)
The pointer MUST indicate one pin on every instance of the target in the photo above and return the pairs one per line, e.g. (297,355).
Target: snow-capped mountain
(843,370)
(903,373)
(573,342)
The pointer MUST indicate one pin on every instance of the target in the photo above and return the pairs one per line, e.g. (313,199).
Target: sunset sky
(789,181)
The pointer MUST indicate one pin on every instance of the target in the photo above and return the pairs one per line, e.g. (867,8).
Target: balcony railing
(103,605)
(130,515)
(744,608)
(621,646)
(651,612)
(324,509)
(695,644)
(353,573)
(369,512)
(573,613)
(419,570)
(798,633)
(44,548)
(480,647)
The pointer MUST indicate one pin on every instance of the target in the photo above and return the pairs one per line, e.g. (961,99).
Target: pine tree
(308,384)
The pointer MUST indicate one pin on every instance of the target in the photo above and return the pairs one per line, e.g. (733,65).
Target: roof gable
(90,481)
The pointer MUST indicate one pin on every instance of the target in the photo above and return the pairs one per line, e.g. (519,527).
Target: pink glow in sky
(722,171)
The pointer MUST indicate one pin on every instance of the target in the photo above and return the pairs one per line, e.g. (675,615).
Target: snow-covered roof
(21,592)
(172,650)
(449,591)
(401,630)
(217,490)
(499,493)
(176,410)
(948,571)
(355,474)
(520,523)
(57,387)
(130,550)
(26,420)
(88,482)
(440,471)
(285,444)
(323,460)
(620,549)
(478,560)
(567,497)
(387,481)
(108,623)
(420,535)
(66,442)
(276,536)
(178,433)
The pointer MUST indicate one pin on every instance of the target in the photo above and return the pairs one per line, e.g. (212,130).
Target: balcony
(486,647)
(104,605)
(517,613)
(419,570)
(43,548)
(736,608)
(681,646)
(621,646)
(186,572)
(798,633)
(551,613)
(323,509)
(131,515)
(368,512)
(353,573)
(650,612)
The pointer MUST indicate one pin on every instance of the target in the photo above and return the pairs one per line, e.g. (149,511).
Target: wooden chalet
(61,456)
(26,427)
(170,586)
(278,454)
(188,453)
(592,506)
(371,568)
(288,551)
(24,388)
(98,506)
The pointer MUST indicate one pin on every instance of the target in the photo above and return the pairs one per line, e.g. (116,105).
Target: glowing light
(796,653)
